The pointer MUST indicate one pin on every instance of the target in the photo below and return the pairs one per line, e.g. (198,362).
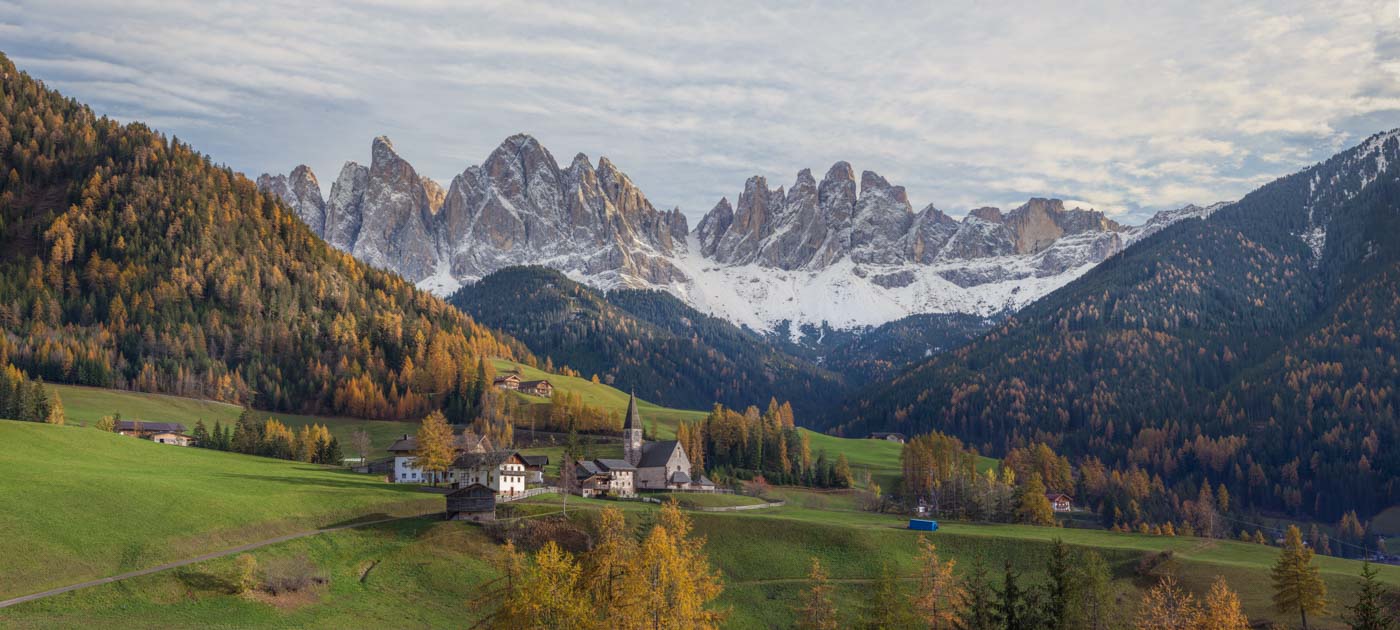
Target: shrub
(290,574)
(245,573)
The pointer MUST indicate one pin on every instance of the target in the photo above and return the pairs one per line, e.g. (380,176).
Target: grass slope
(78,504)
(600,395)
(426,572)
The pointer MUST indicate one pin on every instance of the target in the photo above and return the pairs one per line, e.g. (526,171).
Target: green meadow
(78,503)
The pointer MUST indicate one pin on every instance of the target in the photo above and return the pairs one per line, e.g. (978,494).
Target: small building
(138,428)
(923,525)
(1060,502)
(534,467)
(509,381)
(889,437)
(405,453)
(501,471)
(474,502)
(536,388)
(167,437)
(621,476)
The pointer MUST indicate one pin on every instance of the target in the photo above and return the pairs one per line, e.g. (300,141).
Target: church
(660,465)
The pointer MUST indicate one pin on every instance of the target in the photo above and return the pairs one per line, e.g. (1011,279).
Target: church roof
(614,464)
(656,454)
(634,419)
(680,477)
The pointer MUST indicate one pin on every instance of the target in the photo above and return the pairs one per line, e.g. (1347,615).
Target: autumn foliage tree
(436,446)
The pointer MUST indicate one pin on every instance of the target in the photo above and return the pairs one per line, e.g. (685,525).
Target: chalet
(178,439)
(501,471)
(890,437)
(590,479)
(509,381)
(137,428)
(536,388)
(405,451)
(534,467)
(612,477)
(1060,502)
(474,502)
(660,465)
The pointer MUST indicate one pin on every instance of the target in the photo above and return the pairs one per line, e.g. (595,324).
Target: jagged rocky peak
(396,227)
(713,226)
(301,192)
(436,194)
(344,207)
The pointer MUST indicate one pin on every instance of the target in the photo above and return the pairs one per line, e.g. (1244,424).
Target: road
(196,559)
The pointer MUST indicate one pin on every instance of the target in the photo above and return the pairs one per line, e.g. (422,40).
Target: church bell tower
(632,433)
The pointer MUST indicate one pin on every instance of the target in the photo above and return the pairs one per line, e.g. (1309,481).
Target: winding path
(188,561)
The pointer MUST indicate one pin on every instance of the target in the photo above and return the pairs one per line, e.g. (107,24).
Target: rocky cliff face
(517,207)
(839,251)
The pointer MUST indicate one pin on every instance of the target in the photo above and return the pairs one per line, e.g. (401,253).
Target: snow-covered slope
(845,252)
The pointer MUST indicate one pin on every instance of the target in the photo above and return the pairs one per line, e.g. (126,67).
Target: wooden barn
(475,503)
(537,388)
(509,381)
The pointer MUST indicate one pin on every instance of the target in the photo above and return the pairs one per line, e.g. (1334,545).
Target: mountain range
(845,252)
(1254,349)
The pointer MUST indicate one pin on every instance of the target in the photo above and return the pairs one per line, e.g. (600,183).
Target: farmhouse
(405,451)
(1060,502)
(660,465)
(534,467)
(610,477)
(501,471)
(158,432)
(891,437)
(536,388)
(509,381)
(474,502)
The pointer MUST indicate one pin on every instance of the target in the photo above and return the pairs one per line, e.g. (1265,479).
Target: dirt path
(196,559)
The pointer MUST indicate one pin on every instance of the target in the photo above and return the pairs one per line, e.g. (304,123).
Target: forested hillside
(1255,350)
(129,260)
(875,354)
(648,340)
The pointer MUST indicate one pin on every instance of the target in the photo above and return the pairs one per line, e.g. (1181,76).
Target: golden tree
(1167,607)
(940,593)
(1297,586)
(1222,609)
(608,571)
(435,445)
(544,595)
(1034,508)
(677,580)
(818,612)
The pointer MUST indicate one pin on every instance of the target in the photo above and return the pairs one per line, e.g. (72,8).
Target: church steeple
(632,433)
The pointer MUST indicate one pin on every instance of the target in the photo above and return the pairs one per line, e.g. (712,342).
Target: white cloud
(1127,108)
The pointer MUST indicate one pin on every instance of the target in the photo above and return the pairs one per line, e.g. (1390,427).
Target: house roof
(881,435)
(502,379)
(633,419)
(535,461)
(476,487)
(680,477)
(465,442)
(1056,496)
(488,459)
(586,469)
(614,464)
(656,454)
(705,481)
(130,425)
(532,384)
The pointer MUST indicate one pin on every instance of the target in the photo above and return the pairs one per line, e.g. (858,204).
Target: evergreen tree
(1298,587)
(1091,607)
(1060,590)
(979,607)
(885,609)
(1369,612)
(1012,609)
(201,435)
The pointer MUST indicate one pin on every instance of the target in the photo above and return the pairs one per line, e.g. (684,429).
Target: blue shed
(923,525)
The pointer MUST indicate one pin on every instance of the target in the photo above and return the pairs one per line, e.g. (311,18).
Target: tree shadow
(206,582)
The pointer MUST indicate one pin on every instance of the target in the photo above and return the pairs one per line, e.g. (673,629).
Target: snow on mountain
(847,253)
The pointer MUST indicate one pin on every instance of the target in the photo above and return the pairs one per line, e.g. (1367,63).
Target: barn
(475,502)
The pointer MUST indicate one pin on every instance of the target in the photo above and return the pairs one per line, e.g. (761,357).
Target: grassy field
(599,395)
(424,572)
(79,504)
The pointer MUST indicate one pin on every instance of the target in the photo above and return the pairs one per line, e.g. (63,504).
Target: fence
(532,492)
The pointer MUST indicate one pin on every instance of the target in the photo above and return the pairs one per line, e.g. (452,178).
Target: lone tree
(817,611)
(1033,507)
(359,440)
(434,445)
(1369,611)
(1297,585)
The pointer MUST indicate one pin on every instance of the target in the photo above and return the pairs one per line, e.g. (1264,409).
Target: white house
(502,471)
(405,451)
(167,437)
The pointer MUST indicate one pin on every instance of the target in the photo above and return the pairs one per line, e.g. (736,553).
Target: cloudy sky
(1130,107)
